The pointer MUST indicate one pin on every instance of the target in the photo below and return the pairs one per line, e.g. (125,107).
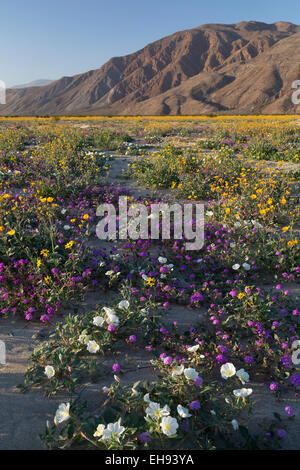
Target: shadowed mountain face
(247,67)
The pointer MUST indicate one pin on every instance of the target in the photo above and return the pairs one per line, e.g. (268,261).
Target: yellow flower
(227,210)
(86,216)
(38,262)
(44,253)
(50,199)
(151,281)
(11,232)
(241,295)
(1,229)
(285,229)
(47,279)
(69,245)
(292,243)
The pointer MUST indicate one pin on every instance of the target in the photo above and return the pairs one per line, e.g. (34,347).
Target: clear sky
(47,39)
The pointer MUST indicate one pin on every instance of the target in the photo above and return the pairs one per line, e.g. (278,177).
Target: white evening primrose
(242,392)
(243,375)
(112,319)
(193,348)
(162,260)
(123,305)
(147,398)
(246,266)
(99,431)
(236,267)
(93,347)
(49,371)
(235,424)
(62,413)
(155,411)
(98,321)
(227,370)
(190,373)
(177,370)
(183,412)
(169,426)
(83,338)
(113,431)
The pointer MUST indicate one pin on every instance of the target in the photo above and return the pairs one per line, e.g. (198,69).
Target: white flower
(227,370)
(83,338)
(169,426)
(113,431)
(242,392)
(124,304)
(49,371)
(177,370)
(209,213)
(147,398)
(243,375)
(162,260)
(212,412)
(134,392)
(112,319)
(98,321)
(93,347)
(237,224)
(155,411)
(105,389)
(145,278)
(109,311)
(235,424)
(191,374)
(67,227)
(193,348)
(236,266)
(99,431)
(183,412)
(63,211)
(232,244)
(62,413)
(109,273)
(246,266)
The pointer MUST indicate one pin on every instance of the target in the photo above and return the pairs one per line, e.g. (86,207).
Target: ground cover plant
(240,291)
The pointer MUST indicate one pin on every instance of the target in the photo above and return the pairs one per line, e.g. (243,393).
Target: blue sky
(49,39)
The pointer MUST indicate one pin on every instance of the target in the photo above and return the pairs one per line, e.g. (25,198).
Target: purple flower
(132,338)
(168,360)
(295,380)
(116,367)
(289,411)
(281,433)
(195,405)
(248,359)
(198,381)
(273,386)
(144,438)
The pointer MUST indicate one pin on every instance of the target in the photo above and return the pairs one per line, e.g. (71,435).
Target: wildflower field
(142,344)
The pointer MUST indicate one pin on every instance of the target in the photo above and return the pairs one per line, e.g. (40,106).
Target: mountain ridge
(247,67)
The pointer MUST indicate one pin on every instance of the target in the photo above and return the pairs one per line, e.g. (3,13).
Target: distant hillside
(34,83)
(246,67)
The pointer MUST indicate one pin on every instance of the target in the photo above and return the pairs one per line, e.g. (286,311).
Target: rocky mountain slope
(247,67)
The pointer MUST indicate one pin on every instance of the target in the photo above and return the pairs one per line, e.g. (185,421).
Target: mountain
(246,67)
(34,83)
